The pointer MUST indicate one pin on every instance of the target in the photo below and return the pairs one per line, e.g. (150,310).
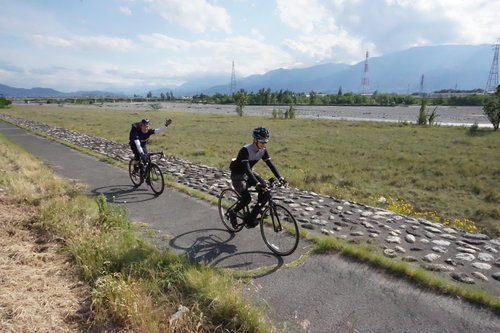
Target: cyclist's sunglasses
(263,141)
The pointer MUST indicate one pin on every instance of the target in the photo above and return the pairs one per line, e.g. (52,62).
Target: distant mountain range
(47,92)
(462,67)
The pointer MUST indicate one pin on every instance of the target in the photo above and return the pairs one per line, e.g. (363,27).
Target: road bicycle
(150,173)
(278,227)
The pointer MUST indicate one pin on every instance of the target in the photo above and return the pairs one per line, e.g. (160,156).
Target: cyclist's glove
(261,186)
(168,122)
(144,158)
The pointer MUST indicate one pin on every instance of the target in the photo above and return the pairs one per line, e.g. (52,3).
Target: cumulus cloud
(252,56)
(85,42)
(162,41)
(339,47)
(301,14)
(383,26)
(195,15)
(126,11)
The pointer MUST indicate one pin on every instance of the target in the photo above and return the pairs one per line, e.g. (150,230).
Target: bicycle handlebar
(157,153)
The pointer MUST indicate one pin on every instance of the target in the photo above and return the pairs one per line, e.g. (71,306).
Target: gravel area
(447,115)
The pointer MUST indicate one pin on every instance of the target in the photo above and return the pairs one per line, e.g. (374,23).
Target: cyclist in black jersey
(243,177)
(139,135)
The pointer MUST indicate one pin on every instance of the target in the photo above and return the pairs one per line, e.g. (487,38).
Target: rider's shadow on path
(124,193)
(211,247)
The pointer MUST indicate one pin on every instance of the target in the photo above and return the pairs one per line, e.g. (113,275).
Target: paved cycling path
(324,294)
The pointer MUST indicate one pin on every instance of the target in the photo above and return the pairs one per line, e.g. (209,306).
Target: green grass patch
(135,286)
(436,169)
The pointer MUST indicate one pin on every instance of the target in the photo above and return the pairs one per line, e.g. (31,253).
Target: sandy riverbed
(447,115)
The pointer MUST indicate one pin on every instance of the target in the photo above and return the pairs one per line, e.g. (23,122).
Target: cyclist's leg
(241,186)
(262,199)
(137,155)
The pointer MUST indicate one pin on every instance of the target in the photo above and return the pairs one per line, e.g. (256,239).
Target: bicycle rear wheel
(227,200)
(135,175)
(156,181)
(281,234)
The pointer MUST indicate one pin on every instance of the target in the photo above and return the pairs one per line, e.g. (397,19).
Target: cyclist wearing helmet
(139,135)
(243,177)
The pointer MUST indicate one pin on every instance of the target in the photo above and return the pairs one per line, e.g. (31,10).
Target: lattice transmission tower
(422,93)
(232,88)
(365,82)
(492,83)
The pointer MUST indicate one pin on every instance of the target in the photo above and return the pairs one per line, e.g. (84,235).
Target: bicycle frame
(145,172)
(268,204)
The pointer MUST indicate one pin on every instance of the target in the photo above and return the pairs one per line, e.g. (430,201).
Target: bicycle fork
(275,218)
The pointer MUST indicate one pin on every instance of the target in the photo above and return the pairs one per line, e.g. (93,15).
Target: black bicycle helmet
(145,121)
(260,133)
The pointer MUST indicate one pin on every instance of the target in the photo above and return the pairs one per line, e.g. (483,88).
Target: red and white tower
(365,83)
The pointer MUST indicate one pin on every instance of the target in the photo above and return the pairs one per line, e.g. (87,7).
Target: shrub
(155,106)
(4,102)
(422,114)
(492,111)
(291,112)
(432,117)
(474,128)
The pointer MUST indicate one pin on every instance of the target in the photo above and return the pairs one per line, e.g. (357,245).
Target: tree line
(287,97)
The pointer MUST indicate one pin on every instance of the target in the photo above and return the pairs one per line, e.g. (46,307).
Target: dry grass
(39,287)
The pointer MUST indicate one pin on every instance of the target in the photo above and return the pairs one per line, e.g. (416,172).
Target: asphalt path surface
(321,294)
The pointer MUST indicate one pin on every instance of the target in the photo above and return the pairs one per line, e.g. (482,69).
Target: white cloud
(162,41)
(384,26)
(251,56)
(195,15)
(85,42)
(304,15)
(257,34)
(474,21)
(338,47)
(126,11)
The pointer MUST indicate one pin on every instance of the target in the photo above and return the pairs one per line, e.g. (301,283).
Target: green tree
(240,99)
(4,102)
(313,98)
(492,109)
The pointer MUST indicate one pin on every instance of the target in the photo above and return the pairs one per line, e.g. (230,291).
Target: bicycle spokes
(281,234)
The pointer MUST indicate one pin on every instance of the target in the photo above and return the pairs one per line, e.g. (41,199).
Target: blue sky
(102,44)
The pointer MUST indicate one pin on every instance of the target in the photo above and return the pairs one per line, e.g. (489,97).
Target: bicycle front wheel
(281,234)
(134,173)
(227,200)
(156,181)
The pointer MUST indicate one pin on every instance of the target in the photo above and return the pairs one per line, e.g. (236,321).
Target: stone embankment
(464,258)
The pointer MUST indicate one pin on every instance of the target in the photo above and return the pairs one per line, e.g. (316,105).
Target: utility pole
(232,89)
(492,83)
(365,83)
